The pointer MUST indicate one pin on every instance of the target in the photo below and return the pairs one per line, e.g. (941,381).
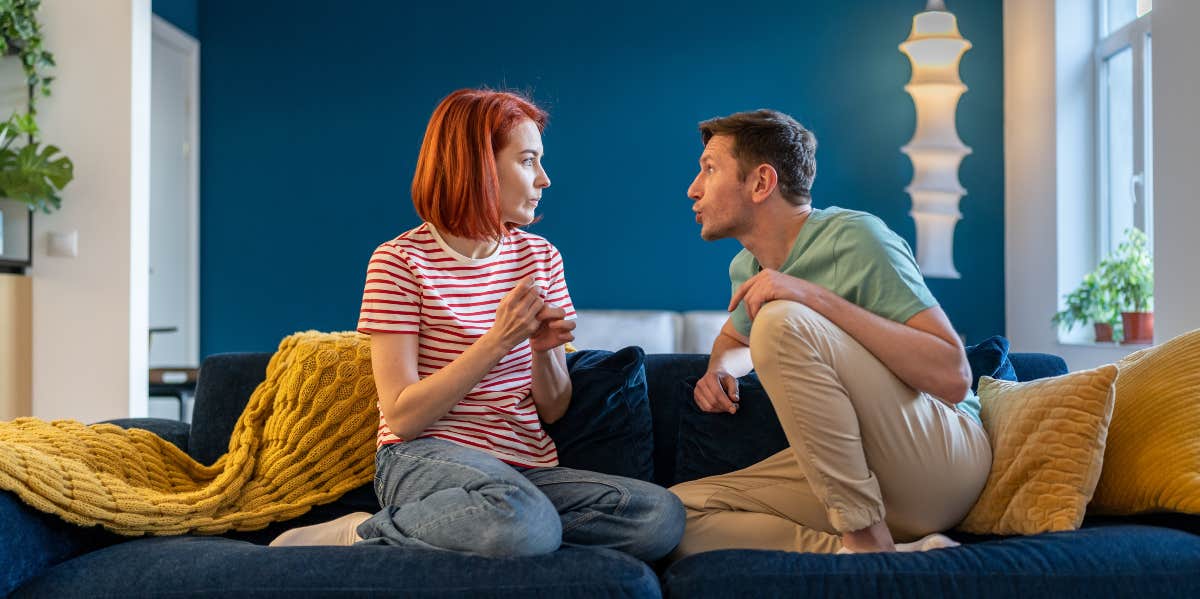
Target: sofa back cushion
(223,388)
(607,427)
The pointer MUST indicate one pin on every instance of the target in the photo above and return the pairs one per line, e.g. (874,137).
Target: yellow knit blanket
(306,437)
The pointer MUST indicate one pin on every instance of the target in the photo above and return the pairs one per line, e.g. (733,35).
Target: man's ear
(765,180)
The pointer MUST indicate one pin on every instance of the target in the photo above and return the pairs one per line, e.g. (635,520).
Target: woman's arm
(409,403)
(551,381)
(551,384)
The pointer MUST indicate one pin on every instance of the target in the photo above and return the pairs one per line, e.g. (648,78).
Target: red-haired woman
(467,315)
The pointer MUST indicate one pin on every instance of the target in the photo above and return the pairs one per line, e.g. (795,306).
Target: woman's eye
(527,162)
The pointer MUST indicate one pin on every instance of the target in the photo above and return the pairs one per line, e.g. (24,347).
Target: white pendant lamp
(935,47)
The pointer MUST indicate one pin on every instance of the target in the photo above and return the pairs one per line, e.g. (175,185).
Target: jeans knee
(660,525)
(520,529)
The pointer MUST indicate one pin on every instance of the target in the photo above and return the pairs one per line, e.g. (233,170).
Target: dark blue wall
(184,14)
(313,113)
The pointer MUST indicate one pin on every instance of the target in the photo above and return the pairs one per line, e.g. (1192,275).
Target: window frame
(1136,36)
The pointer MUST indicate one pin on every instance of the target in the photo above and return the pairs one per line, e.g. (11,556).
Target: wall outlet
(63,245)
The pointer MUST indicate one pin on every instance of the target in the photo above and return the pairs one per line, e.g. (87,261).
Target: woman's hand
(517,314)
(553,330)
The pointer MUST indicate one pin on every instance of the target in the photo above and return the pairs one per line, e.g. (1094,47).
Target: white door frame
(173,36)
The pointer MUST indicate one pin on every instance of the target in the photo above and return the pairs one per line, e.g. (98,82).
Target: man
(862,365)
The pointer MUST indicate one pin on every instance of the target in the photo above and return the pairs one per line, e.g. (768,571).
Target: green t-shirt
(856,256)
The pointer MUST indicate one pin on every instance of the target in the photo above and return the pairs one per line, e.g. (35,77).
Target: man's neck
(774,234)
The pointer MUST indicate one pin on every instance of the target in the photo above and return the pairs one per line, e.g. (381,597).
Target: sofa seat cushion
(1108,561)
(219,567)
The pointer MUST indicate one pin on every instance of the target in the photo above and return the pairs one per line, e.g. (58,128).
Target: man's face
(721,202)
(522,178)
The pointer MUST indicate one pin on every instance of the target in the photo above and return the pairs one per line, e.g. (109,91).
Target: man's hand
(553,330)
(717,392)
(770,285)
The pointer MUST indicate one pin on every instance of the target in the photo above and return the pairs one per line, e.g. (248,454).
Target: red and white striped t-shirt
(419,285)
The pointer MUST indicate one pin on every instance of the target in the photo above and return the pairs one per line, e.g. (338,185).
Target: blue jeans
(439,494)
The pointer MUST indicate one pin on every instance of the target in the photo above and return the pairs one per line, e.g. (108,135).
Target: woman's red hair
(456,187)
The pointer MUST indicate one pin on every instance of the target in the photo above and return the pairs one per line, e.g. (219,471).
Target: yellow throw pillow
(1047,447)
(1153,457)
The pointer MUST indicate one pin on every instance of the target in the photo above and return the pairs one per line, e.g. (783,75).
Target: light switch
(64,245)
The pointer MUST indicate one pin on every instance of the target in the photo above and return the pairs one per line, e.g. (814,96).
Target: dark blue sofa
(42,556)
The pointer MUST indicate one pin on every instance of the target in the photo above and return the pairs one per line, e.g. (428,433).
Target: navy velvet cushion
(711,444)
(217,567)
(990,358)
(32,541)
(1110,561)
(607,427)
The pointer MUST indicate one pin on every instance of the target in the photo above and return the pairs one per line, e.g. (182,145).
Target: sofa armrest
(1030,366)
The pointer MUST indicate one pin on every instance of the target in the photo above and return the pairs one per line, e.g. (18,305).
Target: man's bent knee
(786,315)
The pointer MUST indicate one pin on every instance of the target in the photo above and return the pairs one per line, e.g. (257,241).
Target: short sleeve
(877,270)
(391,301)
(557,293)
(741,268)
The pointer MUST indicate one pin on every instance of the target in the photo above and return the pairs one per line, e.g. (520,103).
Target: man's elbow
(955,389)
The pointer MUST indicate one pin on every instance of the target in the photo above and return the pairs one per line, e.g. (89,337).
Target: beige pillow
(1047,451)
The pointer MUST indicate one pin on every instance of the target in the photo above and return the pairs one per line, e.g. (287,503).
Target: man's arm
(924,351)
(717,390)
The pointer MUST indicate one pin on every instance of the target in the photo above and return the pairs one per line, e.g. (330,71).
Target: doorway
(174,283)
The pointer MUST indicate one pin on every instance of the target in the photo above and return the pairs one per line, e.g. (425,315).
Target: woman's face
(522,178)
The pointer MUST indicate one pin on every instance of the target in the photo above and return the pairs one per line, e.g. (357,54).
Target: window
(1123,135)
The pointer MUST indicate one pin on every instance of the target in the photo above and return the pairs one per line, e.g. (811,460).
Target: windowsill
(1106,345)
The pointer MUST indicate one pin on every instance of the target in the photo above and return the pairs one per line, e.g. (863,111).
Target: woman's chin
(520,220)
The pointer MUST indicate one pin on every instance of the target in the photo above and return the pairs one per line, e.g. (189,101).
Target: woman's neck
(471,248)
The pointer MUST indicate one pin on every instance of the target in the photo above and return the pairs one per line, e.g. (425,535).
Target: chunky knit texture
(306,437)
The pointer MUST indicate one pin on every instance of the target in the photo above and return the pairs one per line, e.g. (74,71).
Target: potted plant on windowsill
(1090,303)
(1129,273)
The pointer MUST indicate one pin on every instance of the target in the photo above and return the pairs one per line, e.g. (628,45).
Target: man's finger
(715,394)
(743,289)
(730,386)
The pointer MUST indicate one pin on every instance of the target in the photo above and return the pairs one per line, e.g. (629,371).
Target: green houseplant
(1117,297)
(1129,273)
(31,173)
(1090,303)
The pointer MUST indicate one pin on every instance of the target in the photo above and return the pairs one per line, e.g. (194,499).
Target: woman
(468,315)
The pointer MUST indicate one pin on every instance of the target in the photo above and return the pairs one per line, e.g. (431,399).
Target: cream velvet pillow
(1152,463)
(1047,441)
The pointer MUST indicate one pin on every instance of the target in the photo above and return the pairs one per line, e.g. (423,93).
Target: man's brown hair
(774,138)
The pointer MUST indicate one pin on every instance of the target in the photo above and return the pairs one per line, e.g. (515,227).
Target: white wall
(1176,159)
(1036,106)
(90,315)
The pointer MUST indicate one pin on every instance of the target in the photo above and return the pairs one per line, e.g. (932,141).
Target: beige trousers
(865,448)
